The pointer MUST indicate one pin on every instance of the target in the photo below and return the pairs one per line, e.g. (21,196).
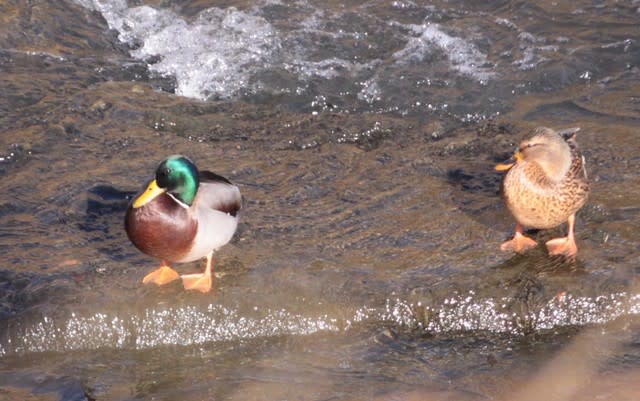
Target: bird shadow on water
(102,202)
(102,221)
(476,193)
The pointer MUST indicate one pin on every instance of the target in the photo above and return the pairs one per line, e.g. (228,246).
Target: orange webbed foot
(161,276)
(519,243)
(200,282)
(565,246)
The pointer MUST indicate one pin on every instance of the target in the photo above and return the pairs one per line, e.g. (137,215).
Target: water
(363,137)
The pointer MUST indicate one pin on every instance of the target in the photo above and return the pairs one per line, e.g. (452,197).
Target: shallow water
(363,137)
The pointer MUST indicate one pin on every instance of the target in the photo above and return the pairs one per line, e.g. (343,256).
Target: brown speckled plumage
(545,187)
(537,201)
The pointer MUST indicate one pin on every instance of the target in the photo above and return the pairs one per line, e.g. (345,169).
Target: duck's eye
(163,177)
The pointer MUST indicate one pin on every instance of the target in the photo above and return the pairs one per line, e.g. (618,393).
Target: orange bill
(509,163)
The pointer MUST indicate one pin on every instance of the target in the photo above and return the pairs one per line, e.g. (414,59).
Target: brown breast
(161,228)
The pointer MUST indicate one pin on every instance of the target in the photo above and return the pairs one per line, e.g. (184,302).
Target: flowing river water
(363,137)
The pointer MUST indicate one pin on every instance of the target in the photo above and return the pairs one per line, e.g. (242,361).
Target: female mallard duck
(545,186)
(182,216)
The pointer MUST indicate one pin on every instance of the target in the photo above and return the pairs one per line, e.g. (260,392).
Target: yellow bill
(152,191)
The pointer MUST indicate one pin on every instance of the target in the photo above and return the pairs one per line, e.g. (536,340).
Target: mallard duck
(545,186)
(183,215)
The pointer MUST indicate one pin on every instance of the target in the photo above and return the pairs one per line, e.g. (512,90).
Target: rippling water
(363,137)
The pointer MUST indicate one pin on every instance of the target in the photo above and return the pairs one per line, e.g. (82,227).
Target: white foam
(532,49)
(111,10)
(192,324)
(463,56)
(215,55)
(506,23)
(221,53)
(371,91)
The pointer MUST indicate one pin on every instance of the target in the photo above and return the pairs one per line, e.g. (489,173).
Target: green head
(179,177)
(176,175)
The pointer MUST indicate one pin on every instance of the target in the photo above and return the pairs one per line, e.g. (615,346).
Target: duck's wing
(218,193)
(578,169)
